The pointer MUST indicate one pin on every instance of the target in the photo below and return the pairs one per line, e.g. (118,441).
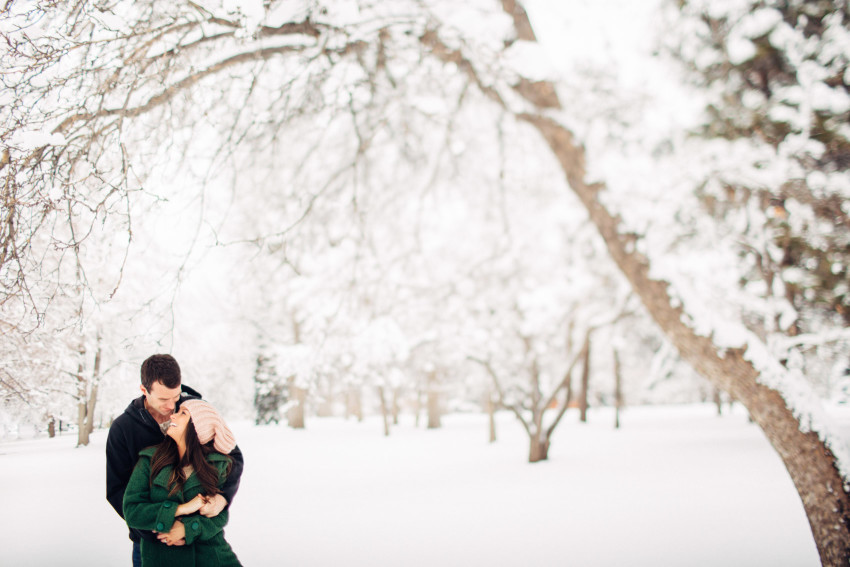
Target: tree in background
(269,393)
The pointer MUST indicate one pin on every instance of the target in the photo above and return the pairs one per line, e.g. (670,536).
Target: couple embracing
(172,469)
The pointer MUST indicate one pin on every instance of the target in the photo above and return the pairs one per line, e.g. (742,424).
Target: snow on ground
(674,486)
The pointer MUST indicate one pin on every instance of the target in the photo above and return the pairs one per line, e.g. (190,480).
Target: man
(143,424)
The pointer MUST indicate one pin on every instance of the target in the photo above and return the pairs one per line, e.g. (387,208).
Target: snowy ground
(674,486)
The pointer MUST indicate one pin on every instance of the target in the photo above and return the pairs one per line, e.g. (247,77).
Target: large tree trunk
(810,463)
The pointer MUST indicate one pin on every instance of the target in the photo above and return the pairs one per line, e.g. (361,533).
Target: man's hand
(214,506)
(177,535)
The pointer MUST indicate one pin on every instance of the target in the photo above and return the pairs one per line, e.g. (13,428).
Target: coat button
(159,526)
(195,525)
(167,505)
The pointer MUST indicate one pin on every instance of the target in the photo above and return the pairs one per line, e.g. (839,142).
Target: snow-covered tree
(696,304)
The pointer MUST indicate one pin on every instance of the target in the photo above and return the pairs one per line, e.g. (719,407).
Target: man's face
(160,399)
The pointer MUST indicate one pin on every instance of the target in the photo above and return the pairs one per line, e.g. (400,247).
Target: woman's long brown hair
(196,455)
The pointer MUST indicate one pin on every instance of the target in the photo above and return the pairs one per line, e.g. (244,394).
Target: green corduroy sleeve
(201,528)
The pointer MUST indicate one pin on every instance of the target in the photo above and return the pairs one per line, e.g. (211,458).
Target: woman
(170,484)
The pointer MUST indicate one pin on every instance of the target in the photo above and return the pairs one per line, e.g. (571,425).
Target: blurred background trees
(320,212)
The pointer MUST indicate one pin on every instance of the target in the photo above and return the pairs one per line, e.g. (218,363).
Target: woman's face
(179,421)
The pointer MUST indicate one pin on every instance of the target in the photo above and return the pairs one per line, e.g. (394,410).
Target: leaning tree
(746,372)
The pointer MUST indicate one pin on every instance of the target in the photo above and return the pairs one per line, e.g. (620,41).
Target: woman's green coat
(148,506)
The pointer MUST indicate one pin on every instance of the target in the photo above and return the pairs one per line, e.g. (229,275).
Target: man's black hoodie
(131,432)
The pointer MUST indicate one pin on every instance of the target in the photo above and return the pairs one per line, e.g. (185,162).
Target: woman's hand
(175,536)
(191,506)
(214,506)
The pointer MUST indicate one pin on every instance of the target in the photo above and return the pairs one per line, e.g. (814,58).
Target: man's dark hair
(161,368)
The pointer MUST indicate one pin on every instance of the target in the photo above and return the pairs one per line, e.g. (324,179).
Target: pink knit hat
(209,425)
